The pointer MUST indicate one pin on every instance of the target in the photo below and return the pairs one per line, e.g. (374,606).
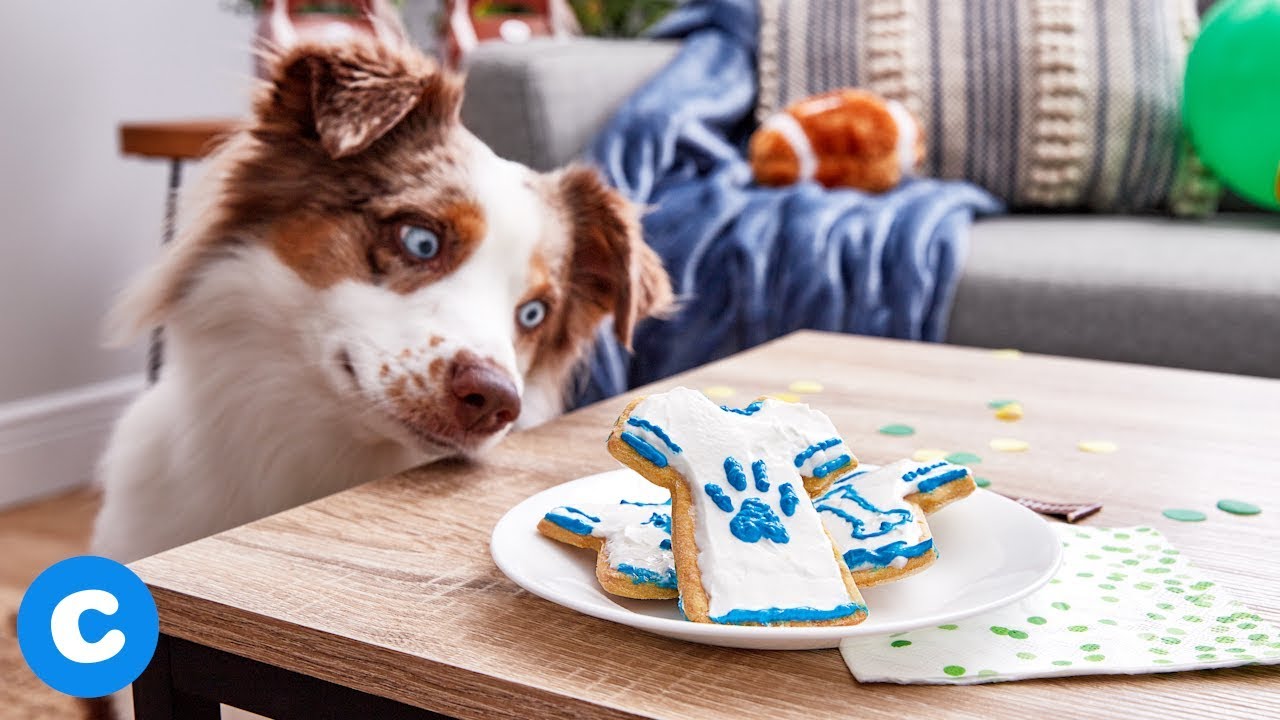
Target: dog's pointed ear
(348,96)
(612,269)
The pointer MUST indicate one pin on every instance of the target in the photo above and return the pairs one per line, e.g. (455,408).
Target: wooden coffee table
(383,602)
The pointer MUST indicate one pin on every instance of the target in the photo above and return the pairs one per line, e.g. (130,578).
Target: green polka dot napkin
(1124,601)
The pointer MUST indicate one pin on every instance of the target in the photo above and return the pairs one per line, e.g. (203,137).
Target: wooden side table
(175,141)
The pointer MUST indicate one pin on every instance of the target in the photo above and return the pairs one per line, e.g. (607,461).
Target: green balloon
(1231,105)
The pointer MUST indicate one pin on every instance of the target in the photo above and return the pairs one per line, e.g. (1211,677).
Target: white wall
(76,219)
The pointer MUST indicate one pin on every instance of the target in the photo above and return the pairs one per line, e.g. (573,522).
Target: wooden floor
(33,537)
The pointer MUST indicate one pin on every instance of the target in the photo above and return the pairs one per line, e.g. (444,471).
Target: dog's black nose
(486,397)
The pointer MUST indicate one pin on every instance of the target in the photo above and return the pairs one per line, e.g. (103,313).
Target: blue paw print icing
(755,519)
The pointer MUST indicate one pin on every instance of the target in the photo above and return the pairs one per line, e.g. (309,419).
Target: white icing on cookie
(871,523)
(637,536)
(762,552)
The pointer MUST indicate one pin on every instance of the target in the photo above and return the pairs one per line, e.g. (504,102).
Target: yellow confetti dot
(925,455)
(1010,445)
(805,386)
(1097,446)
(1009,412)
(1007,353)
(719,392)
(786,397)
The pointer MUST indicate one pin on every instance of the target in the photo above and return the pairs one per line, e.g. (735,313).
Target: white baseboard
(50,443)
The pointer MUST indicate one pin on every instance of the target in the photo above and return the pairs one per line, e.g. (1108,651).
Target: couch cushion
(1203,295)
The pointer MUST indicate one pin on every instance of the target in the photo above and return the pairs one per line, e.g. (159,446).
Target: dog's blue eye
(419,241)
(531,314)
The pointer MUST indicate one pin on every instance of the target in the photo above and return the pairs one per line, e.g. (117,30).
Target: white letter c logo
(65,626)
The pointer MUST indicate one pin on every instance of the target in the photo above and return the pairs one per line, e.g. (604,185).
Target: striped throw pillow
(1046,103)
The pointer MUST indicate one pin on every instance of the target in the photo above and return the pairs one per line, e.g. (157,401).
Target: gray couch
(1191,294)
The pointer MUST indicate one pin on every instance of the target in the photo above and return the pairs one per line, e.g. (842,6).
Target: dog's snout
(486,397)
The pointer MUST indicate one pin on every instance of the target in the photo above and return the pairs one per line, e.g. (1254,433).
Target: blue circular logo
(88,626)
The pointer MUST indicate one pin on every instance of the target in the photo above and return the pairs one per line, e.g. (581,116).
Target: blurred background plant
(619,18)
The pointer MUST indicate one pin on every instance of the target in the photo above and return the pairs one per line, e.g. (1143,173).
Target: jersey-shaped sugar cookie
(876,518)
(749,546)
(633,540)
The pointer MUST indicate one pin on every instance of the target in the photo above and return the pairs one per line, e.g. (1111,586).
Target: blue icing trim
(883,557)
(572,524)
(733,471)
(831,466)
(761,474)
(660,521)
(645,576)
(665,544)
(576,511)
(787,499)
(846,478)
(646,451)
(816,448)
(646,425)
(716,493)
(755,520)
(847,492)
(910,475)
(771,616)
(938,481)
(644,504)
(749,410)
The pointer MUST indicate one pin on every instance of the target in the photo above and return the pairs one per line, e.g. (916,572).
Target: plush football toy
(843,138)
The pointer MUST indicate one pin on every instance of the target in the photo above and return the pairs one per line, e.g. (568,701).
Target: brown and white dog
(366,287)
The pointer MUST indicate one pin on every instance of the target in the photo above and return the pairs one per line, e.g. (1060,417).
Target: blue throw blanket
(752,263)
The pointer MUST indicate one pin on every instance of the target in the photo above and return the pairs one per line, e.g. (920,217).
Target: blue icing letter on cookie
(928,478)
(665,544)
(660,521)
(749,410)
(716,493)
(885,556)
(733,471)
(787,499)
(644,449)
(756,520)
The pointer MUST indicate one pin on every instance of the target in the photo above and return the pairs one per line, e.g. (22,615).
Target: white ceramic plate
(992,551)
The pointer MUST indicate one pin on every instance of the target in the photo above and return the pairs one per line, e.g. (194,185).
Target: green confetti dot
(1092,556)
(1105,621)
(1258,637)
(1171,641)
(1235,650)
(1164,606)
(1122,536)
(1202,585)
(1238,507)
(1130,561)
(963,458)
(1162,661)
(1155,616)
(1090,647)
(900,643)
(1106,586)
(1084,574)
(999,630)
(1156,570)
(1060,606)
(987,673)
(1207,656)
(1078,628)
(953,670)
(1146,636)
(1167,560)
(997,404)
(1061,663)
(1157,651)
(1182,515)
(1017,635)
(898,430)
(1176,631)
(1116,577)
(1246,626)
(1027,656)
(1110,598)
(1193,618)
(1225,639)
(947,627)
(1036,620)
(1171,551)
(1095,658)
(1204,648)
(982,482)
